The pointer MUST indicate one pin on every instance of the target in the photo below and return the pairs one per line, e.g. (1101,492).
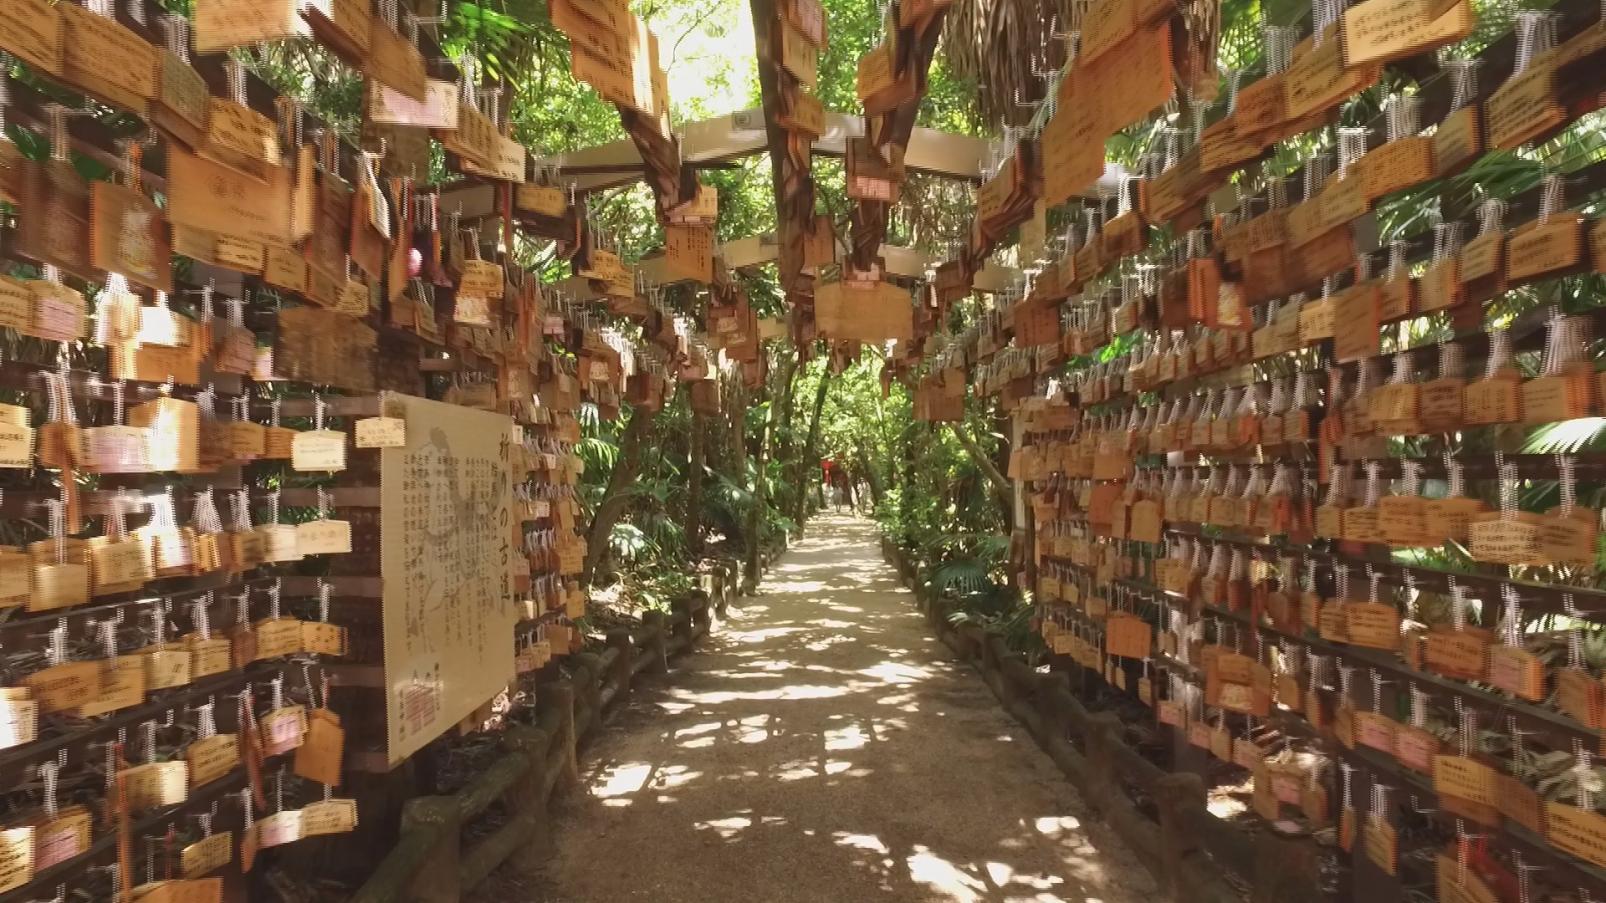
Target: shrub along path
(823,746)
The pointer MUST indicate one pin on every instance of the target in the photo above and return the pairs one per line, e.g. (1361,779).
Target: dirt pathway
(823,746)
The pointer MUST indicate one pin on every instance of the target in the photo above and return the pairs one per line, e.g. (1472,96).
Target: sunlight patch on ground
(796,771)
(895,673)
(1055,825)
(906,702)
(1083,863)
(752,735)
(836,766)
(674,776)
(828,642)
(861,842)
(926,867)
(833,624)
(702,728)
(746,774)
(794,586)
(726,828)
(796,691)
(764,664)
(850,737)
(622,779)
(761,635)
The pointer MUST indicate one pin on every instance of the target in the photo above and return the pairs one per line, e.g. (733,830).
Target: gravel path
(823,746)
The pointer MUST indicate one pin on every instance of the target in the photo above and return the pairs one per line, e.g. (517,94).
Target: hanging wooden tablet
(344,26)
(689,252)
(797,55)
(1568,537)
(395,61)
(60,574)
(1457,141)
(179,108)
(1104,25)
(1545,249)
(61,835)
(878,83)
(34,32)
(1318,77)
(1494,399)
(1415,748)
(64,686)
(1440,287)
(130,236)
(222,24)
(59,314)
(107,60)
(870,176)
(1355,316)
(1581,695)
(215,198)
(16,439)
(53,220)
(1564,389)
(1525,107)
(1072,144)
(1379,31)
(1223,148)
(1481,267)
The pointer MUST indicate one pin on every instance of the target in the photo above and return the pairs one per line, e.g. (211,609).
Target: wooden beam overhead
(758,250)
(733,136)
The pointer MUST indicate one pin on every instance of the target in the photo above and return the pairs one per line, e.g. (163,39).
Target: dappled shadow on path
(822,746)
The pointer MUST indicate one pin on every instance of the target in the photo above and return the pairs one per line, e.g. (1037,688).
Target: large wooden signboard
(446,549)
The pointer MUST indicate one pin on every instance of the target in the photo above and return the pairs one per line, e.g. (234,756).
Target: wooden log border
(430,862)
(1190,851)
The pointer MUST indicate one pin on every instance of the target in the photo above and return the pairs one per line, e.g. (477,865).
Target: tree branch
(988,468)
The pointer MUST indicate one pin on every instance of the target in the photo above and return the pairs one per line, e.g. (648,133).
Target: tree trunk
(808,470)
(786,447)
(736,411)
(694,487)
(616,497)
(872,478)
(1002,490)
(755,518)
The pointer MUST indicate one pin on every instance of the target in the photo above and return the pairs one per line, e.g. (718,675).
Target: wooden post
(1056,718)
(436,878)
(526,798)
(657,647)
(589,691)
(1286,868)
(702,612)
(559,696)
(623,666)
(1174,794)
(1104,731)
(683,627)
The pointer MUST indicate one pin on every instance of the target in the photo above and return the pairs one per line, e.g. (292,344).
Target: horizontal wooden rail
(431,864)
